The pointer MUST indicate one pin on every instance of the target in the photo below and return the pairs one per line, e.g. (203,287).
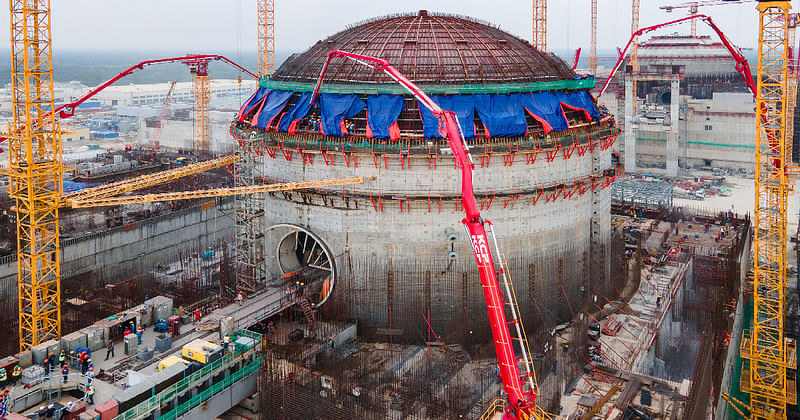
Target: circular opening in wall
(303,258)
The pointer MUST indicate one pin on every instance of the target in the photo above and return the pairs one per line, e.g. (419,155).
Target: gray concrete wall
(398,258)
(225,400)
(116,252)
(719,131)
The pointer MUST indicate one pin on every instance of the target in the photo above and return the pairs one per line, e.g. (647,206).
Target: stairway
(305,305)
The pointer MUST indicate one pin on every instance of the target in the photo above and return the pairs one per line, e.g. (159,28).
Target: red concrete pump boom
(522,402)
(68,110)
(742,66)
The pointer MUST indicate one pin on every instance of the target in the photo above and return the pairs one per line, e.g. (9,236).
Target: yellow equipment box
(202,351)
(169,361)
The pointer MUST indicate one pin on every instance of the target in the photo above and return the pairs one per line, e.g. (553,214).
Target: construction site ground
(614,380)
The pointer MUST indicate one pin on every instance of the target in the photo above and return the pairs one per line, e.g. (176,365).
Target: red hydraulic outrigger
(522,402)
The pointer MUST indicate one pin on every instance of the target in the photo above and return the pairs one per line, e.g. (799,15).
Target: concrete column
(630,137)
(672,135)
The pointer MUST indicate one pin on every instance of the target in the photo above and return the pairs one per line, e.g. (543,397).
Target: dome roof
(429,49)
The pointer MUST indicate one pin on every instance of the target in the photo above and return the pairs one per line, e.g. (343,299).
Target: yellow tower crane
(635,46)
(266,37)
(202,96)
(593,46)
(767,371)
(540,25)
(36,169)
(35,172)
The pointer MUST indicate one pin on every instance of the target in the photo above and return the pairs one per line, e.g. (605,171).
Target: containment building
(391,252)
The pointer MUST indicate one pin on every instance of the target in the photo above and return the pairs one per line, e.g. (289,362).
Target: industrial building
(690,110)
(156,93)
(394,245)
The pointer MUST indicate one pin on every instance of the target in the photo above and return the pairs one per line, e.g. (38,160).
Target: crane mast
(540,25)
(202,96)
(35,172)
(635,47)
(266,37)
(767,354)
(593,41)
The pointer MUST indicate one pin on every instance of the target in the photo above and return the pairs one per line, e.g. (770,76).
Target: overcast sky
(230,25)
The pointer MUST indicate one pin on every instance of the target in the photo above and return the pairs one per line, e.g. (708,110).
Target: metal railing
(146,407)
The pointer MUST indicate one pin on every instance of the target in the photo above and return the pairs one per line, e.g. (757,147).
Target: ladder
(305,305)
(516,329)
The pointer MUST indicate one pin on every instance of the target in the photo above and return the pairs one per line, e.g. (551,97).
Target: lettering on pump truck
(481,249)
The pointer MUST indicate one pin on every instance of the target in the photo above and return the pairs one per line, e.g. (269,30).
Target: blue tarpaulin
(580,100)
(545,107)
(298,111)
(382,112)
(72,186)
(252,102)
(335,107)
(503,115)
(462,105)
(274,104)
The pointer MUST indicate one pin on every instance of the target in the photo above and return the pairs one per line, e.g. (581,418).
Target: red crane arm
(742,66)
(522,402)
(162,116)
(68,110)
(577,58)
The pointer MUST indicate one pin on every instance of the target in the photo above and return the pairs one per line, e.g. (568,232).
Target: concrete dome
(428,48)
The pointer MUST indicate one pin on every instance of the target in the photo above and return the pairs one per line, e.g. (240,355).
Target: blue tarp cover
(274,104)
(545,107)
(298,111)
(462,105)
(503,115)
(335,107)
(382,112)
(581,100)
(253,101)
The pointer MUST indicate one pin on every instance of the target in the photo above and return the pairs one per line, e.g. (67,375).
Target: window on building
(707,128)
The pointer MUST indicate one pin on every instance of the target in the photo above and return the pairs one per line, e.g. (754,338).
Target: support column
(630,138)
(250,271)
(672,135)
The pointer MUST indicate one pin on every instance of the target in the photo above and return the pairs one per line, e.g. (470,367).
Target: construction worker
(110,349)
(65,372)
(62,357)
(15,374)
(90,374)
(3,377)
(85,365)
(90,394)
(197,315)
(226,341)
(139,335)
(46,368)
(239,297)
(658,301)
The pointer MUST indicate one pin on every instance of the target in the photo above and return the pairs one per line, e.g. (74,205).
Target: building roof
(684,47)
(427,48)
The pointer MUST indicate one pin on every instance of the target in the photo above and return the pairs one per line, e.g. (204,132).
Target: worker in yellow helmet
(15,374)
